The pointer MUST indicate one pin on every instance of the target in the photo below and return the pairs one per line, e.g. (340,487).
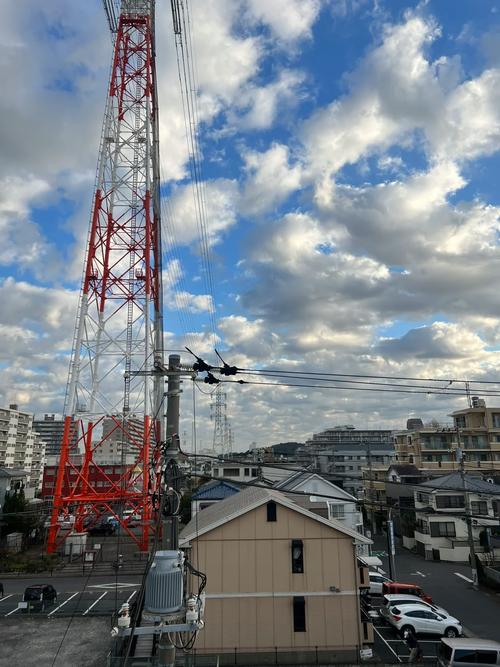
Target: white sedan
(421,619)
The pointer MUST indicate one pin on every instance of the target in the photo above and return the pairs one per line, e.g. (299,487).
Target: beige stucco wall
(251,586)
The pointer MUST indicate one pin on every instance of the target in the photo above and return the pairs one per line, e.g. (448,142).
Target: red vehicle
(394,587)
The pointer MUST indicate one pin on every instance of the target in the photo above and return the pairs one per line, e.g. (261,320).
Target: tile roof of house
(246,500)
(295,480)
(217,489)
(453,482)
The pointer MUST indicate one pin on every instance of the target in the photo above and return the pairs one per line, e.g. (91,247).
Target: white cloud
(270,179)
(258,106)
(289,20)
(220,198)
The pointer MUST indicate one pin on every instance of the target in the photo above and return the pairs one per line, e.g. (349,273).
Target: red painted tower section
(113,408)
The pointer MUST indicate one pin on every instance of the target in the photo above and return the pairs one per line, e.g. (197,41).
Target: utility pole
(391,546)
(371,488)
(468,517)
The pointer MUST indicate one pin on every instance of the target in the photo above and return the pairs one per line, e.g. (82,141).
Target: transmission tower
(118,337)
(223,436)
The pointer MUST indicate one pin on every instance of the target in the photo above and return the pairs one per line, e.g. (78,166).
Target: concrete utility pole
(371,489)
(468,517)
(170,535)
(391,546)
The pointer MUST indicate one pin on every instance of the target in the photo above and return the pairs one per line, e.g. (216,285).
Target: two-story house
(441,506)
(282,582)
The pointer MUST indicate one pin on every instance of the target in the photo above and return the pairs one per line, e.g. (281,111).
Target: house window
(337,511)
(479,507)
(254,472)
(231,472)
(460,421)
(442,529)
(496,419)
(247,472)
(299,614)
(450,501)
(297,557)
(423,497)
(271,511)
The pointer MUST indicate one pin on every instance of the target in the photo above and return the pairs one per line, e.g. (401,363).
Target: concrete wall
(251,586)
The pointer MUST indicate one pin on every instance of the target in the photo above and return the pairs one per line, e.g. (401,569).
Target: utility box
(164,584)
(75,544)
(14,542)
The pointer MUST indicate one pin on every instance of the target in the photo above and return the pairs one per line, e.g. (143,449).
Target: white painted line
(13,611)
(94,603)
(6,597)
(390,649)
(462,576)
(421,574)
(131,596)
(62,605)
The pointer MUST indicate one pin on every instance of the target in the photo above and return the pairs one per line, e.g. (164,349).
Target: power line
(441,392)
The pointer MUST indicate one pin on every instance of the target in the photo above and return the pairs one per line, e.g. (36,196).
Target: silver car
(419,619)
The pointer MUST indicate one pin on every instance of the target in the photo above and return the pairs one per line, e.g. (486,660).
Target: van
(39,595)
(396,588)
(463,652)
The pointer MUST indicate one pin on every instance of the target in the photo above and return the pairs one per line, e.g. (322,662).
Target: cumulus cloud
(288,20)
(220,198)
(270,179)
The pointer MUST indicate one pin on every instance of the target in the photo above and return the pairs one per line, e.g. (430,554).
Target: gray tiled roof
(453,482)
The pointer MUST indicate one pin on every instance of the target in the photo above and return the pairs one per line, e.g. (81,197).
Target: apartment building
(344,466)
(432,447)
(440,509)
(251,472)
(282,582)
(21,447)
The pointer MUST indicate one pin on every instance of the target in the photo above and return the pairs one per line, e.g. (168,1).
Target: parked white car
(376,582)
(395,600)
(418,618)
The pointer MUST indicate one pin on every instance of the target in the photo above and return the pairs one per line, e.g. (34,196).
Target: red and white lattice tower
(119,329)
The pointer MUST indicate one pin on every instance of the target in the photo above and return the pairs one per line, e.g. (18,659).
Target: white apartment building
(21,447)
(441,505)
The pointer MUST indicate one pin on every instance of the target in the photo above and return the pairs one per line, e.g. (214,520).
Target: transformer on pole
(111,391)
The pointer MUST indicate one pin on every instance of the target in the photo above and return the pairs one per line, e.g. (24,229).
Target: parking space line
(13,611)
(94,603)
(385,642)
(6,597)
(62,605)
(131,596)
(462,576)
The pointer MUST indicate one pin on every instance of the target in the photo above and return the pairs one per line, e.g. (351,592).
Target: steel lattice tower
(119,330)
(222,439)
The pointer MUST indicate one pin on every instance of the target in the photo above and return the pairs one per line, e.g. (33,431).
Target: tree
(16,514)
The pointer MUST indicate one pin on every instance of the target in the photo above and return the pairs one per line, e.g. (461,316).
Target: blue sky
(350,159)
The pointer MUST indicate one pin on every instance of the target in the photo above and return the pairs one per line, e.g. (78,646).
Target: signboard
(365,653)
(89,556)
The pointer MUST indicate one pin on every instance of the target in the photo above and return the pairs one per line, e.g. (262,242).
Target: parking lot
(389,646)
(98,600)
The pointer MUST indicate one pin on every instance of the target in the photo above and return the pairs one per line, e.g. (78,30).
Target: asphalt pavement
(92,596)
(450,585)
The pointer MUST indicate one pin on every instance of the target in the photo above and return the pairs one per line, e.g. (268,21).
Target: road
(79,596)
(450,587)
